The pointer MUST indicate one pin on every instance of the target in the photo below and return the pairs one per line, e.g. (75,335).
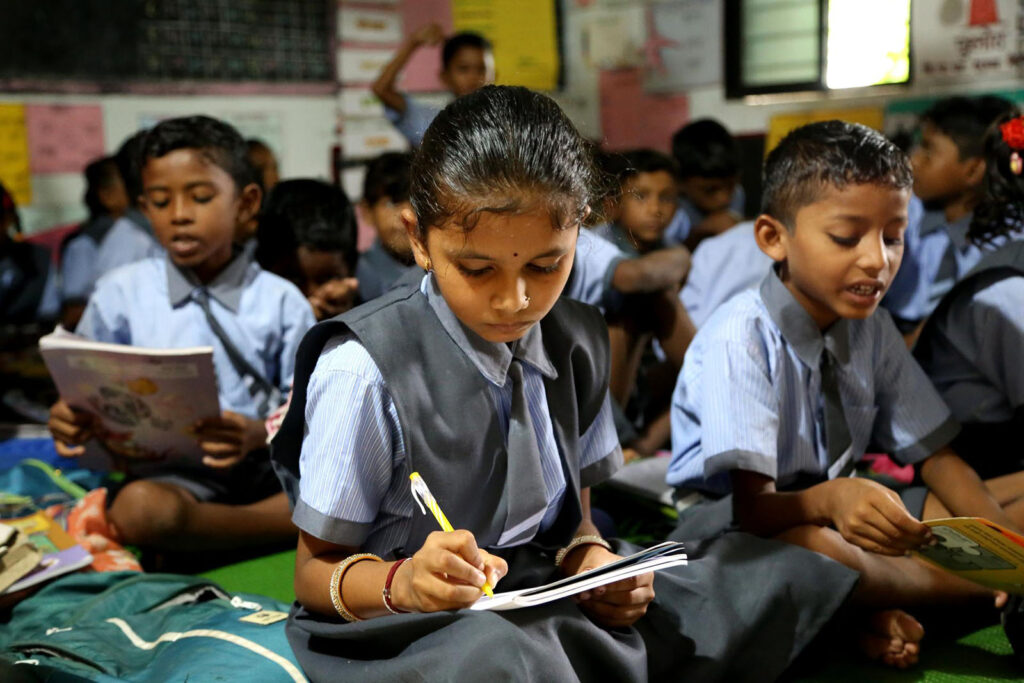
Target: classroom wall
(301,129)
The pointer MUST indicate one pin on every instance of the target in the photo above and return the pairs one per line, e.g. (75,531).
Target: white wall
(304,126)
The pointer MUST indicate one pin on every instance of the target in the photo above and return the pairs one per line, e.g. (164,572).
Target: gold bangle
(338,576)
(577,542)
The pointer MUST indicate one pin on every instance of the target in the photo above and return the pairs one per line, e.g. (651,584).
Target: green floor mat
(983,655)
(269,575)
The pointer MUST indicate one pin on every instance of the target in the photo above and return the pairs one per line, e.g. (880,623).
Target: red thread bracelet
(386,591)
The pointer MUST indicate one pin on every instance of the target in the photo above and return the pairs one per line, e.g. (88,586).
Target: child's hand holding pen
(448,572)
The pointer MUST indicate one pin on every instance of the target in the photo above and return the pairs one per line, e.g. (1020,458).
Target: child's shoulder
(344,353)
(262,282)
(744,317)
(139,276)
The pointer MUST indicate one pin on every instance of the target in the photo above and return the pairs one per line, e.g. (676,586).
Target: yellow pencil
(422,495)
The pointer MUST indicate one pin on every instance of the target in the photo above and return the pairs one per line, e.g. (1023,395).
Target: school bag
(126,626)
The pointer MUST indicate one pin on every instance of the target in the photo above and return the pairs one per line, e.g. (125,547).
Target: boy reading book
(196,192)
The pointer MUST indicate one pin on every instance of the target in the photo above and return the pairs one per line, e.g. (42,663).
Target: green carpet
(269,575)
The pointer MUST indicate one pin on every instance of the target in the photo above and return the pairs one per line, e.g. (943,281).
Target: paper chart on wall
(63,138)
(631,117)
(361,65)
(684,47)
(14,158)
(960,41)
(369,26)
(421,72)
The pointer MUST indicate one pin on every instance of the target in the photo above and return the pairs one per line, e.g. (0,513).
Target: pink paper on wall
(420,74)
(632,118)
(63,138)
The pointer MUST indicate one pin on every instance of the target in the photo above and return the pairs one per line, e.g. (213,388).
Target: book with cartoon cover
(61,554)
(148,401)
(978,550)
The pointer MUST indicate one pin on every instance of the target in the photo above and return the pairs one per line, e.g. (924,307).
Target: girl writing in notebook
(483,380)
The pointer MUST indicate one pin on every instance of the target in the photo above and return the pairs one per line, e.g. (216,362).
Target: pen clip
(420,492)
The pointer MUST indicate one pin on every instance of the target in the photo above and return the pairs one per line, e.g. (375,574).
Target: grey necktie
(837,431)
(526,507)
(257,383)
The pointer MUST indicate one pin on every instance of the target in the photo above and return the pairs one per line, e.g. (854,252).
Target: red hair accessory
(1013,136)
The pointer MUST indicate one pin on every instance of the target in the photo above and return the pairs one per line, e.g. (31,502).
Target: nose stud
(527,302)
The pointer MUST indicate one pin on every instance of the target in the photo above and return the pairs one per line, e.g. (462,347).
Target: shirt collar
(226,288)
(934,220)
(958,231)
(492,359)
(799,329)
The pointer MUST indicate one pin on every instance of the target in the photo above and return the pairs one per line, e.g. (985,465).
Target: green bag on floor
(147,627)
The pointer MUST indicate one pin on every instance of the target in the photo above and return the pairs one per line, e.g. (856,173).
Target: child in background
(710,196)
(28,279)
(647,202)
(784,387)
(197,190)
(107,200)
(949,168)
(467,65)
(971,345)
(494,388)
(264,163)
(307,235)
(131,237)
(385,196)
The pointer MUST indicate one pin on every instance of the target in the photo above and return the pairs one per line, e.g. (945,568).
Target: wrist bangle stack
(386,591)
(338,576)
(577,542)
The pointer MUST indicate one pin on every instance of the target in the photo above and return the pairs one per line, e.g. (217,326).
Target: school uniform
(620,237)
(722,266)
(687,216)
(752,395)
(971,349)
(130,239)
(593,270)
(936,254)
(153,303)
(400,385)
(414,121)
(28,284)
(78,259)
(378,271)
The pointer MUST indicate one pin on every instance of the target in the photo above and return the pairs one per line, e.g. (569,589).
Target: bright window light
(868,43)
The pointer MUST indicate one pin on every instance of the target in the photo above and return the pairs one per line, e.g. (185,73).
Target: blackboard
(120,44)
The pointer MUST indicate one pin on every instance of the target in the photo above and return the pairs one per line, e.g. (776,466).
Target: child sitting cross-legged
(196,192)
(785,386)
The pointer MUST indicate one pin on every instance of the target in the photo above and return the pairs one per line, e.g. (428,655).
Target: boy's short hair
(460,40)
(387,177)
(306,213)
(216,141)
(828,154)
(99,175)
(966,119)
(129,160)
(705,149)
(637,161)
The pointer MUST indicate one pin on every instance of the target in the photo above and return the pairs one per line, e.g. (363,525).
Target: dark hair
(217,141)
(639,161)
(253,145)
(129,163)
(1001,209)
(460,40)
(828,153)
(387,176)
(705,149)
(965,120)
(9,208)
(485,150)
(305,213)
(99,175)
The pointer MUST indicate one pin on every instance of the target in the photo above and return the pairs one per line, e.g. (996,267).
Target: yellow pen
(422,495)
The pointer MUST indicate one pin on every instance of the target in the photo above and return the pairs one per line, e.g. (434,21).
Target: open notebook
(661,556)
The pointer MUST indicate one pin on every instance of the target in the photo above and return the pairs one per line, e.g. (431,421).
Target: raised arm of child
(384,86)
(960,490)
(866,513)
(448,572)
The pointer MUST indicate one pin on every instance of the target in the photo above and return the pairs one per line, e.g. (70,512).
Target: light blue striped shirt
(722,266)
(975,350)
(749,394)
(126,242)
(593,270)
(353,467)
(151,303)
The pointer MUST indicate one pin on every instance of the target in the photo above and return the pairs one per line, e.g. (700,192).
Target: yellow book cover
(978,550)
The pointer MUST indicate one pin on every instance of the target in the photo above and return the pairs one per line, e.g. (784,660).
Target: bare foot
(892,637)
